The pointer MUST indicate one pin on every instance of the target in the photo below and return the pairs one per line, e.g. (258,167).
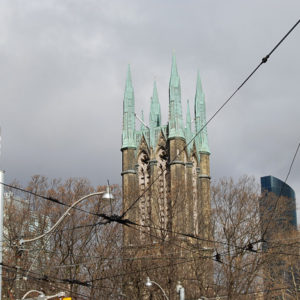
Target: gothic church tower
(163,165)
(165,170)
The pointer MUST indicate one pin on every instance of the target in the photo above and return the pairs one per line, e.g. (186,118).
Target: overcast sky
(63,69)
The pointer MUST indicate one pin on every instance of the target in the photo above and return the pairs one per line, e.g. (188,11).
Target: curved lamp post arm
(58,295)
(150,282)
(32,291)
(60,219)
(161,289)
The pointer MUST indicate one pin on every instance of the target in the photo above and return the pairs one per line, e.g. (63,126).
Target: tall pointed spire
(155,115)
(200,118)
(175,110)
(143,119)
(188,129)
(128,135)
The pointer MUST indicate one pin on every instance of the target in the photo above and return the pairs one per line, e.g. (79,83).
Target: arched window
(162,189)
(144,179)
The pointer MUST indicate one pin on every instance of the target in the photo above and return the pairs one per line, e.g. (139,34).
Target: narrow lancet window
(144,180)
(162,190)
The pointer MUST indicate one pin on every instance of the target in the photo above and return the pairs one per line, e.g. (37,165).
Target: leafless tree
(246,259)
(87,259)
(77,256)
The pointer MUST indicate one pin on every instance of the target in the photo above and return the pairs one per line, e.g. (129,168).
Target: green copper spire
(128,135)
(155,115)
(175,110)
(188,129)
(200,118)
(143,119)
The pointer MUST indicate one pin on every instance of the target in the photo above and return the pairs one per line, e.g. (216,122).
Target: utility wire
(225,253)
(196,237)
(105,257)
(248,246)
(172,257)
(148,269)
(217,258)
(46,279)
(160,238)
(108,218)
(242,269)
(263,61)
(244,294)
(44,197)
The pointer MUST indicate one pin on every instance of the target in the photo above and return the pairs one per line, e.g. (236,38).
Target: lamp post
(151,282)
(106,195)
(180,290)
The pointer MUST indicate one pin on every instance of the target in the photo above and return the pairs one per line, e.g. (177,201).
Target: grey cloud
(63,68)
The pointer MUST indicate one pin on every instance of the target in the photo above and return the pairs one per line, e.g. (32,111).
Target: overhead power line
(108,218)
(52,280)
(45,279)
(51,199)
(248,246)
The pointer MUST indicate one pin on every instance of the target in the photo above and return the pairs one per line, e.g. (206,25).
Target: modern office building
(271,184)
(279,233)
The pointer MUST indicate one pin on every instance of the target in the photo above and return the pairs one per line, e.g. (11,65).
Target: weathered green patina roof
(155,115)
(128,134)
(132,137)
(200,118)
(175,110)
(188,129)
(143,119)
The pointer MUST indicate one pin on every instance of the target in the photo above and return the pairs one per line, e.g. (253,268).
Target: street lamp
(149,283)
(106,195)
(180,290)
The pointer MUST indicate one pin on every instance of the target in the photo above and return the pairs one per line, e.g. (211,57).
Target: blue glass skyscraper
(271,184)
(278,223)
